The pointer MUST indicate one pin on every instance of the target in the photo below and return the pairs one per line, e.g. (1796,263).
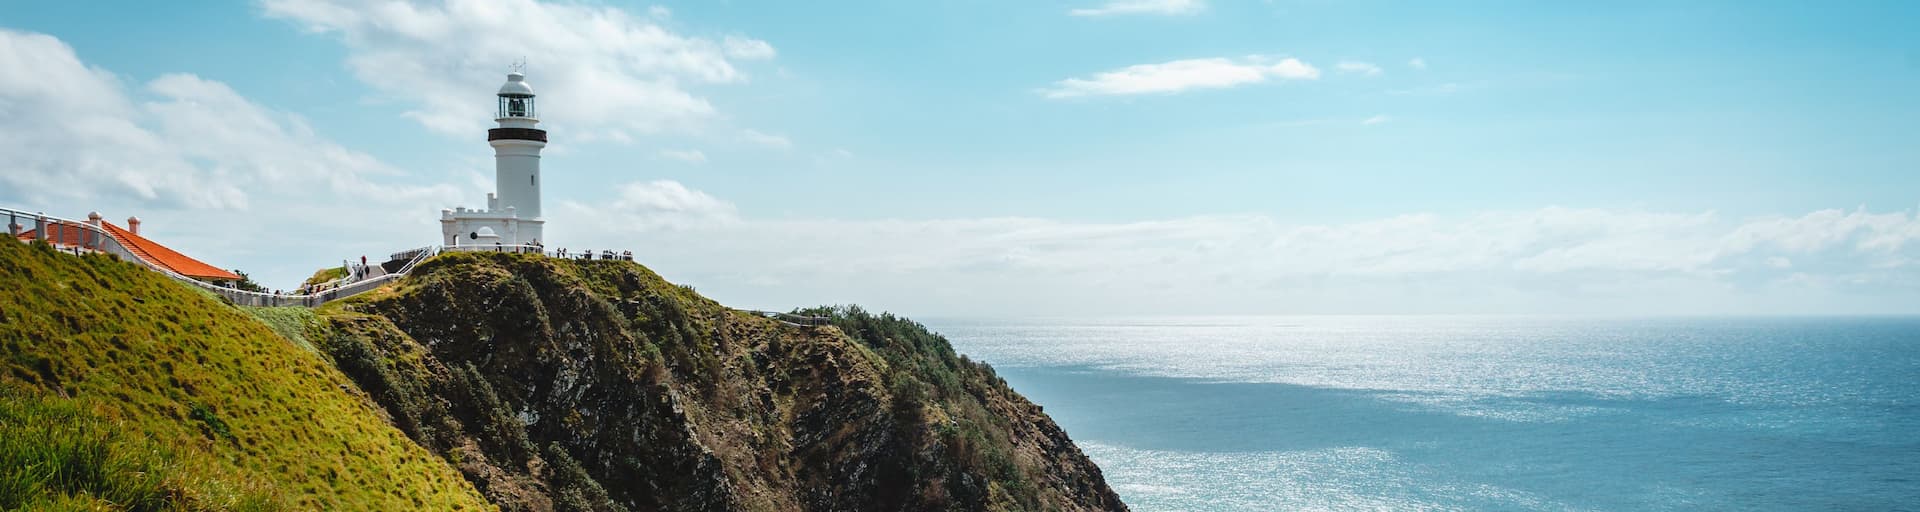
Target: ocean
(1478,413)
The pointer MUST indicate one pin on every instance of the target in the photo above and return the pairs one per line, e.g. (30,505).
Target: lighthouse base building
(512,215)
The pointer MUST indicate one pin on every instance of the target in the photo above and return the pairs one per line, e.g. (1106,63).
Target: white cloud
(1871,232)
(241,184)
(1417,63)
(745,48)
(1545,260)
(211,172)
(655,205)
(692,156)
(1155,7)
(768,140)
(598,68)
(1358,67)
(1181,75)
(1376,120)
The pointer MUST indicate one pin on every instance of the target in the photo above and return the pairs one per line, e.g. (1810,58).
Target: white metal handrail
(353,274)
(354,283)
(99,240)
(584,254)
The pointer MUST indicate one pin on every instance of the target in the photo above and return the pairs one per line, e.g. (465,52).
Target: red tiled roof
(158,254)
(62,233)
(141,247)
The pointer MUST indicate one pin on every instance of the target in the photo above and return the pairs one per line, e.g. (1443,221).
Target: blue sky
(995,158)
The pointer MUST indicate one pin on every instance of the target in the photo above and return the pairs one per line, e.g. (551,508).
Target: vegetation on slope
(597,385)
(534,383)
(324,275)
(56,454)
(994,446)
(291,322)
(164,362)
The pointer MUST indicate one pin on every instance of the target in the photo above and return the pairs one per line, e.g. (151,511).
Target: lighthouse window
(516,107)
(533,180)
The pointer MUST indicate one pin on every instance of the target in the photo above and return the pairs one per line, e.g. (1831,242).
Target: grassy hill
(597,385)
(497,381)
(139,375)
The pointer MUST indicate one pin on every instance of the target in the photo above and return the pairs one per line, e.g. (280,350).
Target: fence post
(40,227)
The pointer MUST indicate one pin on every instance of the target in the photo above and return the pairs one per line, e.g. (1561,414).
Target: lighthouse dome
(516,86)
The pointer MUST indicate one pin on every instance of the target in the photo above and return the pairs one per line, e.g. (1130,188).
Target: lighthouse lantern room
(512,215)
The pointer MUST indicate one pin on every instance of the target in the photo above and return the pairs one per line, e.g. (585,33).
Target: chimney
(133,225)
(93,218)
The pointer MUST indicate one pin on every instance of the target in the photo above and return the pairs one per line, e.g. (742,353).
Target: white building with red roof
(68,235)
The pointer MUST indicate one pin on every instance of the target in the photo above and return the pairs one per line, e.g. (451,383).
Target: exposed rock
(596,385)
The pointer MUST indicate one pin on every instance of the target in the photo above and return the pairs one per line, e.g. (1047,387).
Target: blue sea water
(1478,413)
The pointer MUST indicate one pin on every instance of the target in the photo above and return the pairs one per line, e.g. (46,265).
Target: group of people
(587,254)
(309,289)
(533,247)
(354,273)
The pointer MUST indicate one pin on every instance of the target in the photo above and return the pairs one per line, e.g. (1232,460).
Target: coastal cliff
(597,385)
(528,383)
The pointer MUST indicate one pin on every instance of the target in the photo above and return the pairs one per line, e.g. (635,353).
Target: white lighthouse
(512,215)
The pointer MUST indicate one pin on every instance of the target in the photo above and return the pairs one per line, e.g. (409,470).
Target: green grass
(292,322)
(164,362)
(324,275)
(56,455)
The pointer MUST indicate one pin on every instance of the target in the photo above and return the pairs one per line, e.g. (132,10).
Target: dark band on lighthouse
(517,134)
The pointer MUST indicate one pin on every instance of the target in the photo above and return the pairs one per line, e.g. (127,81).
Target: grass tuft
(294,323)
(56,455)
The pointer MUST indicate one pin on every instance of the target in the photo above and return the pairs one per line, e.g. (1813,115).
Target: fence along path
(359,279)
(793,320)
(788,319)
(96,239)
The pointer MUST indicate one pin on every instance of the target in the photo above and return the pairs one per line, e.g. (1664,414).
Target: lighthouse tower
(512,215)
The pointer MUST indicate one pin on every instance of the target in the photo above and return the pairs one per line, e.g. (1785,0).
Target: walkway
(790,319)
(359,279)
(99,240)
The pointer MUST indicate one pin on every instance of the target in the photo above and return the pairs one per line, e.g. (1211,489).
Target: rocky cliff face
(597,385)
